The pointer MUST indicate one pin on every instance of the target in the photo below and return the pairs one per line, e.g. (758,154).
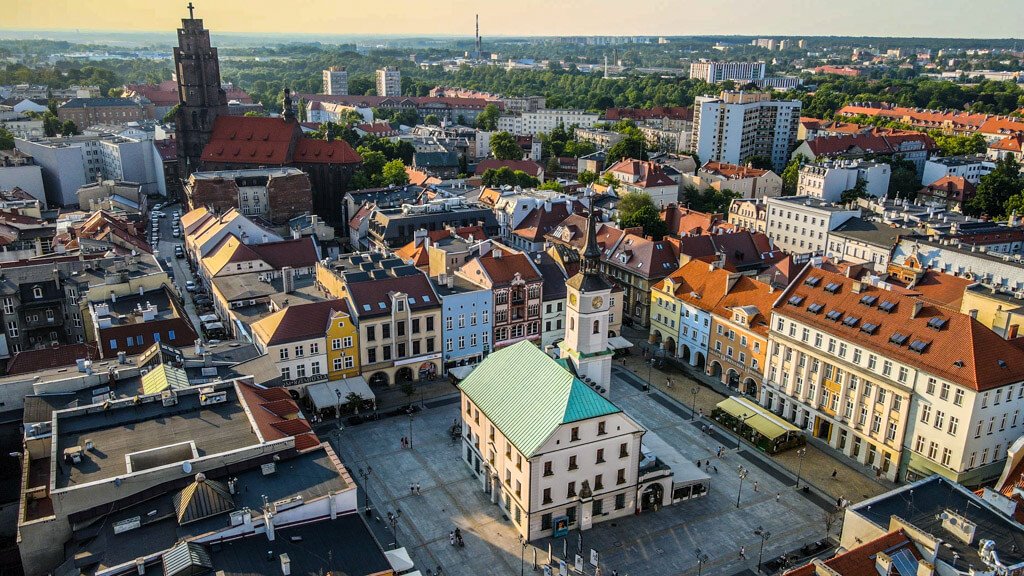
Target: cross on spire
(190,7)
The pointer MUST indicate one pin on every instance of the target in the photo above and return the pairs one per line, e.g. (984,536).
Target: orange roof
(697,283)
(503,269)
(860,561)
(297,322)
(939,341)
(415,252)
(732,171)
(648,173)
(1010,143)
(749,292)
(277,416)
(937,288)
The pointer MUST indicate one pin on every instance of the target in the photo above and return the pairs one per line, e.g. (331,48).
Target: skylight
(832,287)
(812,280)
(834,315)
(898,339)
(796,300)
(887,306)
(815,308)
(868,300)
(382,305)
(869,328)
(937,323)
(412,299)
(851,321)
(920,346)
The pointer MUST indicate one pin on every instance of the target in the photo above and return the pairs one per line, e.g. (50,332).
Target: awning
(399,560)
(325,394)
(213,326)
(618,343)
(757,417)
(461,372)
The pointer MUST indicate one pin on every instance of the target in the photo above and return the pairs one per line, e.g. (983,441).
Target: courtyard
(657,543)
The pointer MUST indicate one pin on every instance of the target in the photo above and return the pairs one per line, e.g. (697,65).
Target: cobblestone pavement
(853,481)
(651,544)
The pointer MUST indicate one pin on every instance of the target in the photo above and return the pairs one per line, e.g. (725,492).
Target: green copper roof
(528,395)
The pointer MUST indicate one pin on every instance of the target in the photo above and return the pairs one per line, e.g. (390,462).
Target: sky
(924,18)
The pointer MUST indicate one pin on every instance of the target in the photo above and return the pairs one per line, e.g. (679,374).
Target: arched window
(572,323)
(597,326)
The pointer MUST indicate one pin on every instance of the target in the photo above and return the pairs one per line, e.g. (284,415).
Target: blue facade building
(466,315)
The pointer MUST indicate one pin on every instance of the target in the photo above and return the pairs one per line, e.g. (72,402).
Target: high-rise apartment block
(389,81)
(715,72)
(336,81)
(737,126)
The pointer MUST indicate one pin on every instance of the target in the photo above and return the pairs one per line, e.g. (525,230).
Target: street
(164,251)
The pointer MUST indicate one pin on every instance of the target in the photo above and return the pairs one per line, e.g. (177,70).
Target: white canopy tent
(399,560)
(327,394)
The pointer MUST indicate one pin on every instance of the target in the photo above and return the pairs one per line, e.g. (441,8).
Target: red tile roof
(732,171)
(28,361)
(650,259)
(313,151)
(1010,144)
(267,409)
(952,187)
(528,166)
(962,350)
(657,112)
(877,142)
(647,173)
(297,253)
(541,221)
(297,322)
(741,249)
(937,288)
(372,297)
(502,266)
(686,222)
(271,141)
(860,561)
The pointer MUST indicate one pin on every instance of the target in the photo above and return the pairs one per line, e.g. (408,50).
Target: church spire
(287,111)
(591,250)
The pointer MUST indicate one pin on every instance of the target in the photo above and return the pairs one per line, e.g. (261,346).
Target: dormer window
(37,292)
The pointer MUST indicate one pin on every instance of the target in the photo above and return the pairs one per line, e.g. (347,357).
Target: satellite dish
(186,467)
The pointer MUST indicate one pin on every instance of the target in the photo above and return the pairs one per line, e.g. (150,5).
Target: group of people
(455,537)
(406,442)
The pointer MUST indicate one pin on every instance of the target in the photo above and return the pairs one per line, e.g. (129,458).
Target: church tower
(200,96)
(587,315)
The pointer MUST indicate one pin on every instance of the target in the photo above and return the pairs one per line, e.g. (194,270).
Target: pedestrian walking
(412,488)
(417,488)
(716,469)
(743,553)
(701,413)
(451,537)
(834,473)
(668,382)
(755,485)
(778,496)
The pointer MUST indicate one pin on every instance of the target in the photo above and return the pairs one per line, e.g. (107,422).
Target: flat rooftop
(169,432)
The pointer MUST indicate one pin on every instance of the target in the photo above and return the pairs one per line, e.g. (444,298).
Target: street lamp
(693,410)
(522,555)
(739,431)
(701,559)
(337,408)
(410,430)
(393,521)
(765,535)
(365,475)
(800,467)
(743,474)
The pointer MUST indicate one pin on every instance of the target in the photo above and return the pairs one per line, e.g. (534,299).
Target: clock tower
(587,316)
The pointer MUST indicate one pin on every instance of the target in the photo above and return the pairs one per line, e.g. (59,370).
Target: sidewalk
(851,482)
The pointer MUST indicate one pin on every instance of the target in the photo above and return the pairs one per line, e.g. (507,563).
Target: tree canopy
(791,175)
(488,119)
(638,209)
(6,139)
(505,176)
(505,147)
(953,145)
(998,192)
(708,200)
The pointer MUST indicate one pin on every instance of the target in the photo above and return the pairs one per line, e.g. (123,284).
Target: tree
(587,177)
(505,147)
(505,176)
(68,128)
(996,189)
(115,92)
(1015,205)
(553,165)
(253,114)
(552,185)
(708,200)
(393,173)
(637,209)
(51,125)
(355,400)
(903,180)
(488,119)
(759,162)
(578,149)
(791,175)
(6,139)
(859,190)
(961,145)
(629,147)
(171,114)
(432,120)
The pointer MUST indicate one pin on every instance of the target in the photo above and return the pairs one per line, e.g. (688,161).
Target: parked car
(178,252)
(190,286)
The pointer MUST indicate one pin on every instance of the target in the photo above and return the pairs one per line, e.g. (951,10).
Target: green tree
(996,189)
(1015,205)
(488,119)
(393,173)
(791,175)
(903,180)
(961,145)
(505,147)
(253,114)
(51,125)
(638,209)
(578,149)
(552,185)
(68,128)
(629,147)
(172,114)
(859,190)
(709,199)
(6,139)
(552,165)
(115,92)
(505,176)
(759,162)
(587,177)
(432,120)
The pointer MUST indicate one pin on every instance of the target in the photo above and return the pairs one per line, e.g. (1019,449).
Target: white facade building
(800,224)
(335,81)
(545,120)
(827,181)
(716,72)
(970,168)
(389,81)
(737,126)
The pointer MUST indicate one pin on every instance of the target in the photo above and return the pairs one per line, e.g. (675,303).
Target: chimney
(973,313)
(288,279)
(140,566)
(286,564)
(858,286)
(883,563)
(450,281)
(199,346)
(268,522)
(918,304)
(296,234)
(497,254)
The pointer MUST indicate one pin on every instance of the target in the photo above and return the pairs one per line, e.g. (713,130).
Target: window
(944,393)
(430,323)
(300,371)
(547,469)
(876,423)
(600,456)
(315,368)
(386,352)
(601,431)
(930,388)
(336,344)
(897,402)
(620,501)
(919,444)
(336,364)
(314,348)
(570,490)
(286,373)
(926,413)
(599,482)
(385,331)
(371,334)
(621,476)
(572,463)
(545,521)
(547,500)
(574,434)
(933,449)
(299,351)
(940,419)
(954,425)
(346,342)
(623,451)
(958,397)
(890,433)
(283,353)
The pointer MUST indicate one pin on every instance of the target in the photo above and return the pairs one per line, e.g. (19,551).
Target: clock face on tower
(572,299)
(597,301)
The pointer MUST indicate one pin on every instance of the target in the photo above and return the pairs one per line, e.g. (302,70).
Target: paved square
(658,543)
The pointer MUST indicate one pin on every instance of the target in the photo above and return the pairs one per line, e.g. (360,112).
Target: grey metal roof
(186,559)
(201,499)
